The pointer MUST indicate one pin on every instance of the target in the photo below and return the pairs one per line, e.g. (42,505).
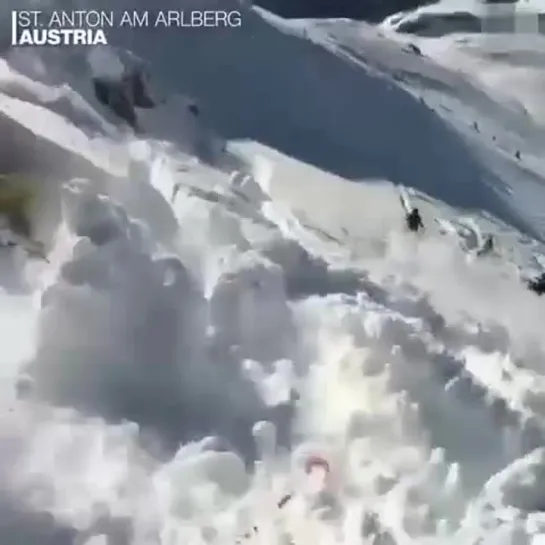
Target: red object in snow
(316,461)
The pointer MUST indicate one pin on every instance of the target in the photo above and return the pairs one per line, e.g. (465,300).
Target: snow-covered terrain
(351,9)
(235,340)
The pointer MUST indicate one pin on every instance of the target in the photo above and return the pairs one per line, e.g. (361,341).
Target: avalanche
(234,339)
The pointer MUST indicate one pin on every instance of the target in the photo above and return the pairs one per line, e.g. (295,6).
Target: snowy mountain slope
(369,100)
(183,300)
(349,135)
(469,17)
(491,129)
(370,219)
(502,62)
(499,67)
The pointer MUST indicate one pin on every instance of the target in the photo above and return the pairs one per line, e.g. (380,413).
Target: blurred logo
(521,17)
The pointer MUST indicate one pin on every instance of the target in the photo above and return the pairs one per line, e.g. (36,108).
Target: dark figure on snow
(537,285)
(414,220)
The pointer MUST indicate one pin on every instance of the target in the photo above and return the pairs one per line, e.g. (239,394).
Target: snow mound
(249,310)
(518,486)
(118,283)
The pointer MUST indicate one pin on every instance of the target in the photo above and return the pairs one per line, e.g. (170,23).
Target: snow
(229,295)
(469,16)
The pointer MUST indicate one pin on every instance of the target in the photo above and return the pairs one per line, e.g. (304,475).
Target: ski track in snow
(203,329)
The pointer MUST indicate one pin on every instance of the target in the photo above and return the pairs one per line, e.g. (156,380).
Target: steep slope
(285,312)
(481,119)
(354,135)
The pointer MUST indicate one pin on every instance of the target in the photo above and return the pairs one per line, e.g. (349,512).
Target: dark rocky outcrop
(124,95)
